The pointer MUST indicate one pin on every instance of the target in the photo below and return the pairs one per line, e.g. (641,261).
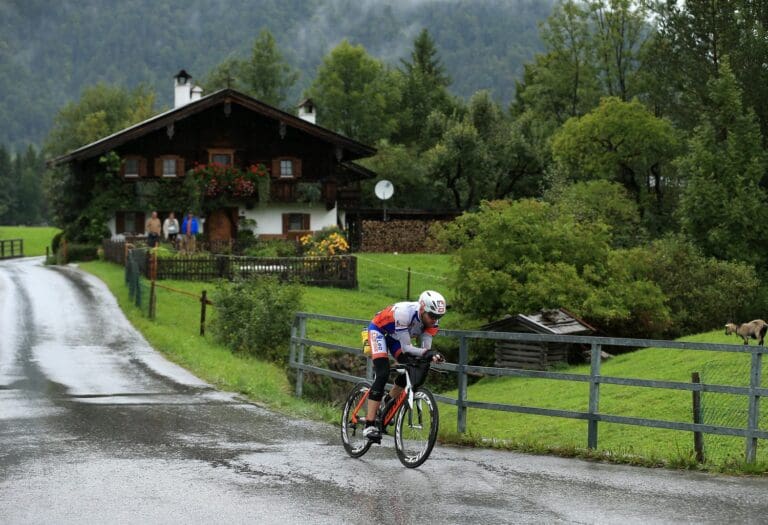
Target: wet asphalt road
(96,427)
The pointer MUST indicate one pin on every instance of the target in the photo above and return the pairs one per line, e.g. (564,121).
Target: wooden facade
(229,125)
(534,355)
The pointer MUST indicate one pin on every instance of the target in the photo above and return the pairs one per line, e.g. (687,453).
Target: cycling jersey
(392,329)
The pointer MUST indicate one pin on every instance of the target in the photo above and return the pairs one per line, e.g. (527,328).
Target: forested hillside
(50,51)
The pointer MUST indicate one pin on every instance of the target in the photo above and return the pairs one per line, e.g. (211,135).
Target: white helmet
(433,302)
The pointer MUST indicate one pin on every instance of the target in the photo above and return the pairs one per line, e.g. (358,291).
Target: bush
(328,241)
(273,248)
(255,316)
(56,241)
(702,292)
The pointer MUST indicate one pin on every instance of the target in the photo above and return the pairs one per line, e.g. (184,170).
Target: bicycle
(414,415)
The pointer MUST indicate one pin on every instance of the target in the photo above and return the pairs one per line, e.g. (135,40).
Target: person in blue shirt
(189,229)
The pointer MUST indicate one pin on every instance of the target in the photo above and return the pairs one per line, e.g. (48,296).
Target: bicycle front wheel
(352,432)
(416,429)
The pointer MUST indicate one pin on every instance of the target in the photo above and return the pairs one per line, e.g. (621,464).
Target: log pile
(402,236)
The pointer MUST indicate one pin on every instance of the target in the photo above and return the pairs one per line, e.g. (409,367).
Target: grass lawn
(36,238)
(383,280)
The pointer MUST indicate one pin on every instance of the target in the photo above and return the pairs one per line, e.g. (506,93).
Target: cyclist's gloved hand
(435,357)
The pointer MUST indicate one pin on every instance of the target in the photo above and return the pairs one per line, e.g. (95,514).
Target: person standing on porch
(171,228)
(152,228)
(189,228)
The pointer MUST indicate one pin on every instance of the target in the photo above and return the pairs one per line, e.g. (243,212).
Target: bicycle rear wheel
(416,429)
(352,433)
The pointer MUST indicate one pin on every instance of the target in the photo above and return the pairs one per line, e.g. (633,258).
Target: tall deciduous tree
(355,94)
(723,208)
(101,110)
(623,142)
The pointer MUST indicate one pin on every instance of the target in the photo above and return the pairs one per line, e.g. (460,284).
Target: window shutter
(140,222)
(179,167)
(142,167)
(276,168)
(296,168)
(158,167)
(119,222)
(286,222)
(305,221)
(122,167)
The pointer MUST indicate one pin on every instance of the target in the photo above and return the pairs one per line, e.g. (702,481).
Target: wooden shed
(533,355)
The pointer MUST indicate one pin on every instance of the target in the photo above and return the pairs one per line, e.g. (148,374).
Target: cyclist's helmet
(433,302)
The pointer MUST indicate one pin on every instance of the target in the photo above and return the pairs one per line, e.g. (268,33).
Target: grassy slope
(36,238)
(383,279)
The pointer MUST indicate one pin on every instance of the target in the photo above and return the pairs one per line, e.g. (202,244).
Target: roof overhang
(352,149)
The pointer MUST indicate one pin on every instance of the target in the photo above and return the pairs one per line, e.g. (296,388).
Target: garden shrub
(82,252)
(272,248)
(328,241)
(254,316)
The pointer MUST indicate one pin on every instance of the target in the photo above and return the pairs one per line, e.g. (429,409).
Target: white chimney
(197,93)
(182,89)
(307,110)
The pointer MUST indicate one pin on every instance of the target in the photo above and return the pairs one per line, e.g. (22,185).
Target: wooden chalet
(539,355)
(230,128)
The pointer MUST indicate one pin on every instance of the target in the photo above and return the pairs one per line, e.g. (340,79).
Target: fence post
(203,303)
(408,286)
(698,437)
(594,396)
(300,360)
(755,377)
(21,247)
(292,346)
(461,410)
(152,299)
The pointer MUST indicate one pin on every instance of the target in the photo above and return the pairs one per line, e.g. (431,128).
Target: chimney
(182,89)
(197,93)
(307,110)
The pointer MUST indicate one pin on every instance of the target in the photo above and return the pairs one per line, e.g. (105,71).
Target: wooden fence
(338,271)
(11,248)
(752,394)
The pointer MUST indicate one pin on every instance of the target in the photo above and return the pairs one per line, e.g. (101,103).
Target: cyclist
(391,332)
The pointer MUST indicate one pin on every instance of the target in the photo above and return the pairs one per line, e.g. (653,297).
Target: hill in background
(50,51)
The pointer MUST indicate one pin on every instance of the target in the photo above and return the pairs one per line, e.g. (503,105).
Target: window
(224,157)
(169,168)
(286,169)
(131,168)
(295,222)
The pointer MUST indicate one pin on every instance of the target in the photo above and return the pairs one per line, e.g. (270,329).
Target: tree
(623,142)
(265,76)
(522,256)
(7,186)
(424,90)
(101,111)
(723,207)
(355,94)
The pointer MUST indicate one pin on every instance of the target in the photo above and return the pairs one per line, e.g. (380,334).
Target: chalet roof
(351,149)
(558,322)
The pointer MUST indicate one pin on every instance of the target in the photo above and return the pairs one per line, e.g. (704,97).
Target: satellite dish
(384,189)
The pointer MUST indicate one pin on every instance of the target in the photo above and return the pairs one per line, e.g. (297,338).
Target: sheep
(748,330)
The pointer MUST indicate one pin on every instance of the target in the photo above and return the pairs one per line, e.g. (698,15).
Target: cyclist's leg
(419,374)
(380,357)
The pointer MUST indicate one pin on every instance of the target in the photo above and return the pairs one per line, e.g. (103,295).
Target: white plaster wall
(269,217)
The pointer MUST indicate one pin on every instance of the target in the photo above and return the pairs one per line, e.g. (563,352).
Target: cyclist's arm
(406,345)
